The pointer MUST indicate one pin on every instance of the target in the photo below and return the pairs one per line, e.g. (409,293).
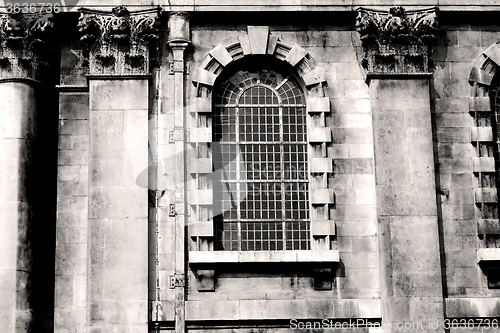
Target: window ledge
(232,257)
(485,256)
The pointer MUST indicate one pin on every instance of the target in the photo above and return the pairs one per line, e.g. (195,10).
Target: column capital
(397,41)
(118,43)
(26,45)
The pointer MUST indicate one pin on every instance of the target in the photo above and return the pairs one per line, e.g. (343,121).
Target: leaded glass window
(259,121)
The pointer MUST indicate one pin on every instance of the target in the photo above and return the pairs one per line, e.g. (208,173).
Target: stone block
(245,45)
(322,196)
(72,187)
(479,104)
(357,308)
(481,134)
(319,134)
(454,120)
(354,120)
(361,150)
(455,134)
(357,228)
(209,310)
(258,36)
(203,104)
(201,165)
(13,221)
(322,227)
(18,111)
(296,54)
(321,165)
(205,280)
(319,308)
(118,202)
(74,126)
(357,105)
(200,134)
(119,94)
(454,165)
(70,319)
(64,291)
(356,89)
(323,278)
(483,164)
(17,165)
(71,204)
(420,159)
(469,38)
(74,106)
(317,75)
(485,195)
(365,197)
(483,307)
(318,104)
(407,200)
(73,157)
(111,171)
(447,105)
(353,166)
(488,255)
(221,55)
(488,227)
(71,218)
(124,275)
(201,197)
(460,69)
(201,229)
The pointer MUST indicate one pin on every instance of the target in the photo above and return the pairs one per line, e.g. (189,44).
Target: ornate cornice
(118,43)
(396,41)
(26,46)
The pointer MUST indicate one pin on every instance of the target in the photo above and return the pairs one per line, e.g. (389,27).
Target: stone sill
(220,310)
(484,256)
(474,307)
(233,257)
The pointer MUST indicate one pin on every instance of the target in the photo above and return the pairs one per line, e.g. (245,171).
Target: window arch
(259,121)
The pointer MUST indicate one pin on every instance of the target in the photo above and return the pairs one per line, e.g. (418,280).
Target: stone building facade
(246,166)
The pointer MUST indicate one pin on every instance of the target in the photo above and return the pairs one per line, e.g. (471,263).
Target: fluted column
(178,41)
(395,56)
(118,47)
(24,53)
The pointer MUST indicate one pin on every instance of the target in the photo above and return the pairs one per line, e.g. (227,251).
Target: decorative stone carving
(26,45)
(396,42)
(118,42)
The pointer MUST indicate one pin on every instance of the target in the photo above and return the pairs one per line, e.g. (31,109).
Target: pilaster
(24,61)
(395,57)
(118,46)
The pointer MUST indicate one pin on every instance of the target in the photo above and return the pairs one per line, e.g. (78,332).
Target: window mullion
(238,178)
(282,175)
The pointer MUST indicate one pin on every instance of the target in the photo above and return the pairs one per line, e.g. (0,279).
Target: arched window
(259,120)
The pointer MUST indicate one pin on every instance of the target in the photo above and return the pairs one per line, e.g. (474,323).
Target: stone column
(23,56)
(118,45)
(178,41)
(395,47)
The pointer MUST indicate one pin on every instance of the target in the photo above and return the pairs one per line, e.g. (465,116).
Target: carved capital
(118,42)
(26,45)
(397,41)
